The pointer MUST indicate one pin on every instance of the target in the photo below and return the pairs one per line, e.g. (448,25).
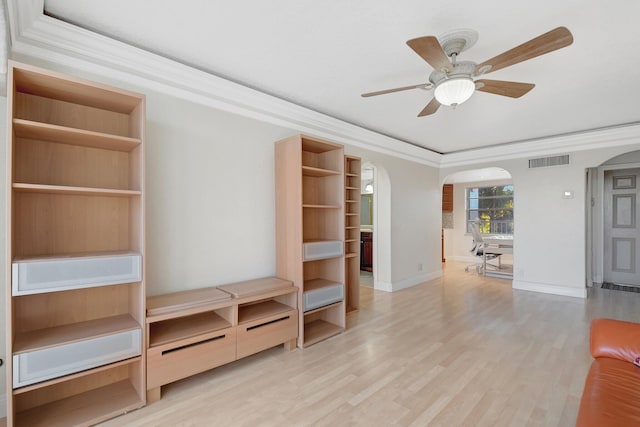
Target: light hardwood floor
(462,350)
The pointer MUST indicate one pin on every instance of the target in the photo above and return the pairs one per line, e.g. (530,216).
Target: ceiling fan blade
(548,42)
(499,87)
(398,89)
(431,108)
(429,49)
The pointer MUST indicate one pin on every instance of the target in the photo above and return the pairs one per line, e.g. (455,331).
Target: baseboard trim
(406,283)
(549,289)
(382,286)
(3,405)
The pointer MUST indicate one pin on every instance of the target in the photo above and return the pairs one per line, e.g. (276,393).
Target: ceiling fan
(455,81)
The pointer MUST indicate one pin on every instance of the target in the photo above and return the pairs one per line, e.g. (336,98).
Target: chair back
(475,232)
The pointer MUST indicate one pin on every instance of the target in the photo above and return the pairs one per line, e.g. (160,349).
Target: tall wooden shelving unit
(75,248)
(310,212)
(352,166)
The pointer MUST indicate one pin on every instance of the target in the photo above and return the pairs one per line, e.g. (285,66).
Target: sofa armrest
(615,339)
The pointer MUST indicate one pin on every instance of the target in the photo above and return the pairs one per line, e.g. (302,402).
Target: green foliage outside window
(491,207)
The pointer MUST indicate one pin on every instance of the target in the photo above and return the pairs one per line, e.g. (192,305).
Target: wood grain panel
(61,113)
(40,162)
(47,310)
(47,224)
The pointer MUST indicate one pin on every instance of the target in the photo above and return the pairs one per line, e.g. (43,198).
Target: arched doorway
(482,196)
(376,225)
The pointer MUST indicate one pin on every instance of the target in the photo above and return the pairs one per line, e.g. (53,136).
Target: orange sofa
(611,395)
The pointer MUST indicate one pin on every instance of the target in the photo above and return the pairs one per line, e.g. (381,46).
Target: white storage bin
(40,365)
(316,298)
(322,249)
(40,275)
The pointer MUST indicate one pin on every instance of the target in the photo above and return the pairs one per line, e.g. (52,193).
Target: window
(492,208)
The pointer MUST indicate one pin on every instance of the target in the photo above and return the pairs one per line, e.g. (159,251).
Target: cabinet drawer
(266,333)
(178,360)
(58,274)
(40,365)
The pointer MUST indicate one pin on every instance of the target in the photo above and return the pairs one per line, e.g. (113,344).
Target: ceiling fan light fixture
(454,91)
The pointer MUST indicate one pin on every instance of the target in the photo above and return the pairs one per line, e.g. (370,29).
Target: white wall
(550,237)
(414,220)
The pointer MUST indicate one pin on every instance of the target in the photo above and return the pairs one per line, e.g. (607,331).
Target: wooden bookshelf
(310,175)
(75,160)
(352,183)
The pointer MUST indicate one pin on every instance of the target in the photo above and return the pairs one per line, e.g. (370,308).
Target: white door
(621,227)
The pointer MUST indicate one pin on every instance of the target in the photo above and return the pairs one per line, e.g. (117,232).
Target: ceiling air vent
(545,162)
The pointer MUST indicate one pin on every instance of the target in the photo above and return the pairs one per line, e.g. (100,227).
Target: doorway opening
(484,199)
(613,219)
(367,215)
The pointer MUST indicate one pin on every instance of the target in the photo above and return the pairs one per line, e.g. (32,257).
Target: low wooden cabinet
(194,331)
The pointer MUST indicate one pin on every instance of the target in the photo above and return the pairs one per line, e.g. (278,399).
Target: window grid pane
(491,208)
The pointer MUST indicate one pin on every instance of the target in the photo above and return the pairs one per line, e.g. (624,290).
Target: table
(496,244)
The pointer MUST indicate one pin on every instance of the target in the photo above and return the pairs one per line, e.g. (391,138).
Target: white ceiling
(323,55)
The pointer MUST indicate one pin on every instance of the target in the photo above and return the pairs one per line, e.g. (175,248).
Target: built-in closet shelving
(310,216)
(75,245)
(352,166)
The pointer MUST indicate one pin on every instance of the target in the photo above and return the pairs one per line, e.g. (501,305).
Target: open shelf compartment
(180,328)
(86,399)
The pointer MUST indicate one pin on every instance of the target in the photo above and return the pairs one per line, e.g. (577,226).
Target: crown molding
(616,136)
(36,35)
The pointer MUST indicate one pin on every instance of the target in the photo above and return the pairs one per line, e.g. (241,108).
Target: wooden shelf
(311,171)
(65,135)
(323,308)
(319,330)
(66,334)
(252,312)
(351,255)
(351,240)
(351,188)
(79,191)
(160,307)
(352,214)
(352,227)
(87,408)
(322,206)
(311,285)
(185,327)
(48,84)
(352,174)
(54,381)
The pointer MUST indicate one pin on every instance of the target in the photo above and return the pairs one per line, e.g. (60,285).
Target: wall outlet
(420,267)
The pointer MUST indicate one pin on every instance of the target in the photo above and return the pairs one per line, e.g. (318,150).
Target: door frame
(598,222)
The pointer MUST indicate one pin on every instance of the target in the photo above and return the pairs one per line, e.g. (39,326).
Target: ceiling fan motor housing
(460,69)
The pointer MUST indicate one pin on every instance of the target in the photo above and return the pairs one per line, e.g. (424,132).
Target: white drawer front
(41,365)
(59,274)
(321,250)
(324,296)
